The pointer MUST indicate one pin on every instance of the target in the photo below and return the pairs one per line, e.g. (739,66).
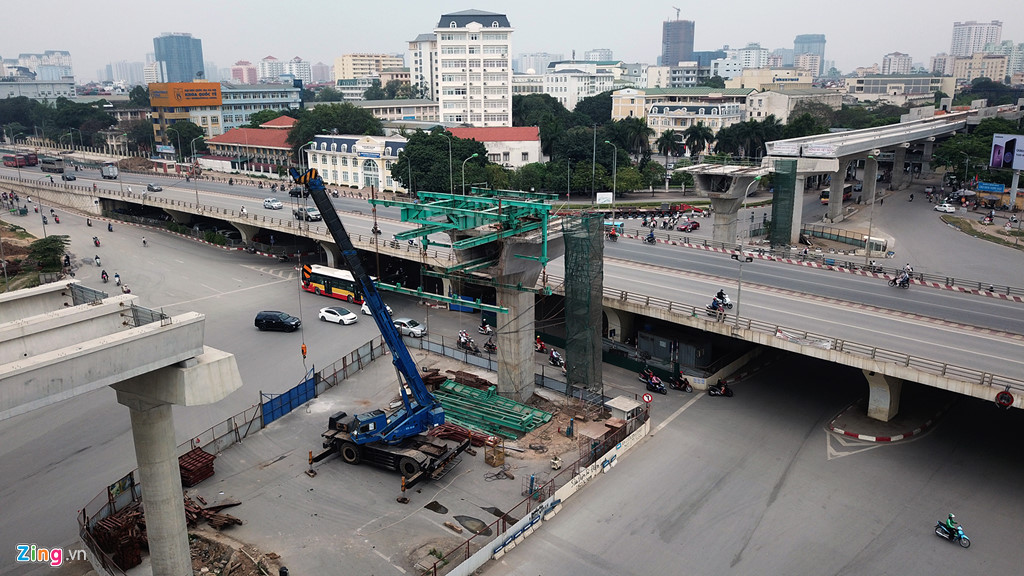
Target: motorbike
(125,289)
(490,347)
(335,193)
(375,231)
(720,389)
(485,329)
(715,308)
(727,302)
(555,359)
(97,260)
(231,181)
(56,219)
(649,240)
(466,343)
(104,277)
(942,531)
(899,283)
(652,382)
(613,237)
(117,280)
(539,346)
(110,228)
(95,241)
(680,382)
(45,221)
(88,222)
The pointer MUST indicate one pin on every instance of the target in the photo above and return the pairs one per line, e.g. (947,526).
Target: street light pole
(739,287)
(300,155)
(451,179)
(464,172)
(615,176)
(195,181)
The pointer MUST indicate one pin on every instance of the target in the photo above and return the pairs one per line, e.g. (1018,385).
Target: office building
(241,101)
(195,102)
(971,37)
(536,61)
(356,161)
(762,79)
(243,72)
(899,90)
(676,42)
(786,57)
(180,57)
(126,73)
(350,66)
(980,65)
(152,73)
(811,44)
(897,63)
(598,55)
(703,58)
(1014,55)
(39,90)
(473,82)
(570,81)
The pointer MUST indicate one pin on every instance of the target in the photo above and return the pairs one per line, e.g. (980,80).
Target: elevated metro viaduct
(62,339)
(793,160)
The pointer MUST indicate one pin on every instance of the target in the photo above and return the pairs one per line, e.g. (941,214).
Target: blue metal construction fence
(277,405)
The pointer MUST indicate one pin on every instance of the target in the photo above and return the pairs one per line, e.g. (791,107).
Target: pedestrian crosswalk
(283,273)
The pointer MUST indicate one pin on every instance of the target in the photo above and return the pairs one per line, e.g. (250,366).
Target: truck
(109,171)
(306,213)
(395,440)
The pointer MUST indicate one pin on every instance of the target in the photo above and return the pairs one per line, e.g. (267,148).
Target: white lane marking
(677,413)
(219,295)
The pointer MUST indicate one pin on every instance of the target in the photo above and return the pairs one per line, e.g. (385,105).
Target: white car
(338,315)
(409,327)
(945,208)
(366,309)
(272,204)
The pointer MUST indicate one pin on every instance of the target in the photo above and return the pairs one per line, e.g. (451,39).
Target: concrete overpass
(62,340)
(799,158)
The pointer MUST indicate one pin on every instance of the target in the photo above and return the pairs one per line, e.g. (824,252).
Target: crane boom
(423,411)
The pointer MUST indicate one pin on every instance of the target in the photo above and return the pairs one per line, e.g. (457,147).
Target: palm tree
(668,143)
(637,134)
(698,136)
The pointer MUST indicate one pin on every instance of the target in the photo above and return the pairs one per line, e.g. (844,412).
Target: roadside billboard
(1007,151)
(184,94)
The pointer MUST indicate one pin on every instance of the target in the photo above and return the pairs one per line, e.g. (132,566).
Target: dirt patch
(215,553)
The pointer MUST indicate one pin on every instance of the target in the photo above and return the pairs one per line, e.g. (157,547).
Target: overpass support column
(835,192)
(333,254)
(926,158)
(516,364)
(156,453)
(899,159)
(726,208)
(883,396)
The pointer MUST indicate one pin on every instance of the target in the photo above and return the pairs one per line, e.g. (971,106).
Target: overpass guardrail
(938,368)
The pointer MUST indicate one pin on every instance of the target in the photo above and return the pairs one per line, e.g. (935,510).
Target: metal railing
(681,310)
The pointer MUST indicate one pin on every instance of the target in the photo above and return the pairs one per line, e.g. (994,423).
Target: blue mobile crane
(396,440)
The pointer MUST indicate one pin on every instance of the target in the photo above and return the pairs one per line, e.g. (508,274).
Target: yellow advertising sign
(185,94)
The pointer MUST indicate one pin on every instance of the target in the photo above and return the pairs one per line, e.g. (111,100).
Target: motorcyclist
(88,222)
(483,326)
(97,259)
(950,524)
(110,227)
(117,278)
(716,304)
(613,234)
(650,236)
(720,295)
(556,358)
(538,344)
(104,275)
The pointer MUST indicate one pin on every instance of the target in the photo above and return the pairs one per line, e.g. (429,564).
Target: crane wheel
(408,467)
(351,453)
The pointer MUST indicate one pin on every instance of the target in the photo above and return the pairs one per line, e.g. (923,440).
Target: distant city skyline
(230,33)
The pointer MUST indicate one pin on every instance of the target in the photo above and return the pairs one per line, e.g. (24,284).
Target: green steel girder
(472,265)
(545,291)
(487,238)
(419,293)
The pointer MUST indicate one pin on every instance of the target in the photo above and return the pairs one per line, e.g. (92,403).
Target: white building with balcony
(356,161)
(473,78)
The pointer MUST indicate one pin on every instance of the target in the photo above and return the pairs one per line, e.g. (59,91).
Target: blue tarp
(281,404)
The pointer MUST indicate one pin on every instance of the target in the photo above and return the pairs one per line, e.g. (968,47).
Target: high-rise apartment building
(422,54)
(897,63)
(750,56)
(127,73)
(473,78)
(970,37)
(50,66)
(299,69)
(270,70)
(536,61)
(322,73)
(809,62)
(180,57)
(942,64)
(598,55)
(980,65)
(676,42)
(350,66)
(243,72)
(1014,55)
(811,44)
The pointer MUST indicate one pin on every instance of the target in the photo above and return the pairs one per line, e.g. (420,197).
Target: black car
(68,177)
(274,320)
(298,192)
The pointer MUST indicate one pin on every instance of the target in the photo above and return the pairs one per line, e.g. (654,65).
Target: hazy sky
(857,33)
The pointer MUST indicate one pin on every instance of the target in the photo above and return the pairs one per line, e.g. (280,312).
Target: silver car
(272,204)
(410,327)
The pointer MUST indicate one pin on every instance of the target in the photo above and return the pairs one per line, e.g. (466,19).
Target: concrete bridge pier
(726,206)
(835,194)
(516,358)
(899,159)
(883,396)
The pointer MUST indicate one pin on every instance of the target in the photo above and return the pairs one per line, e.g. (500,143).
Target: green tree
(375,92)
(581,177)
(332,118)
(653,174)
(532,109)
(596,108)
(258,118)
(406,91)
(530,177)
(183,132)
(426,153)
(498,178)
(140,134)
(803,125)
(628,179)
(306,95)
(697,137)
(48,253)
(821,113)
(715,81)
(139,96)
(329,94)
(669,144)
(636,134)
